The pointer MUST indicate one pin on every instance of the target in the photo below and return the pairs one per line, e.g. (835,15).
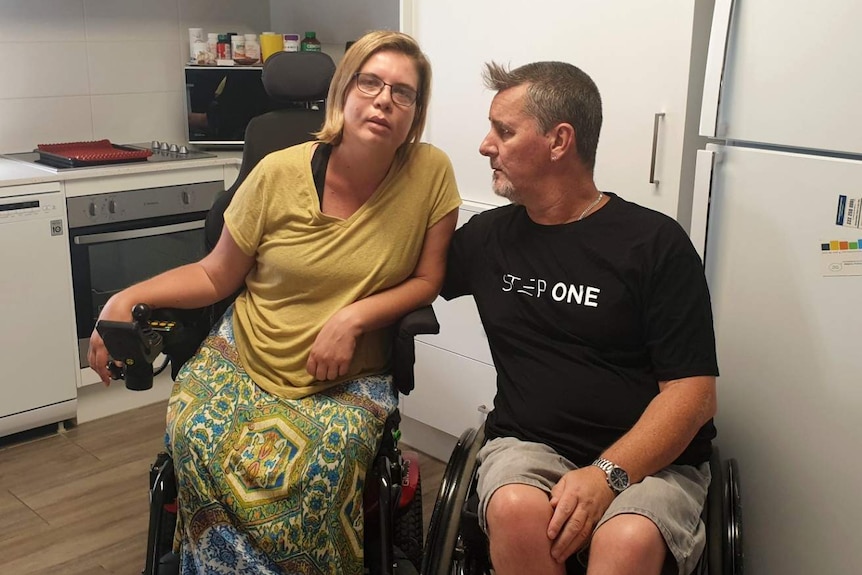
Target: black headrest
(298,76)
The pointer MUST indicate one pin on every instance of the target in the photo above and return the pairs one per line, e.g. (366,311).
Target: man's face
(519,154)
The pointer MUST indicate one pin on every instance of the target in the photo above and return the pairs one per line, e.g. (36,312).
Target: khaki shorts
(672,498)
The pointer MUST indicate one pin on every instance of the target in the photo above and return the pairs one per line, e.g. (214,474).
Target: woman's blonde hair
(332,131)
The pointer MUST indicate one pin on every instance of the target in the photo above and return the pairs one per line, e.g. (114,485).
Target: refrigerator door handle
(655,125)
(704,165)
(715,64)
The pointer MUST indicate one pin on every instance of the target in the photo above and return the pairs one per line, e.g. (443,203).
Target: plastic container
(291,42)
(237,47)
(195,35)
(223,47)
(310,43)
(212,50)
(252,48)
(270,43)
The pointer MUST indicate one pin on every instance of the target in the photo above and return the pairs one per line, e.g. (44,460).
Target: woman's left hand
(333,347)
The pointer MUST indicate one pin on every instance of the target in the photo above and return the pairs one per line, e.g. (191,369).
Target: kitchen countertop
(14,173)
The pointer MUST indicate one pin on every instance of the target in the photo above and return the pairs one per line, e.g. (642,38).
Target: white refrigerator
(777,202)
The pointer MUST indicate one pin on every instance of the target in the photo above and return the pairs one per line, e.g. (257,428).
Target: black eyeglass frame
(392,92)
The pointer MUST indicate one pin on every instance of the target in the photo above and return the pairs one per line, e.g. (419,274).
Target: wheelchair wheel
(443,534)
(407,531)
(733,547)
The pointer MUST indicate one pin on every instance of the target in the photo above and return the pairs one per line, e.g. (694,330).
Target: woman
(274,422)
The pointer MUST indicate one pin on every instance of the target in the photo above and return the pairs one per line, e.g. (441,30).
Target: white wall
(91,69)
(334,21)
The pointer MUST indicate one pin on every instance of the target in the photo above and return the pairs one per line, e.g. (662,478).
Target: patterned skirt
(269,485)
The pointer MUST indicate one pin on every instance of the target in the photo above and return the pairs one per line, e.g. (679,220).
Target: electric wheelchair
(456,544)
(392,497)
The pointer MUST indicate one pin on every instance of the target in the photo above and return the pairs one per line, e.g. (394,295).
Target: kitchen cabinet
(647,59)
(455,375)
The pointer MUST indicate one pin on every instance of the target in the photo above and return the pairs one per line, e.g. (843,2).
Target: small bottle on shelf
(310,43)
(252,48)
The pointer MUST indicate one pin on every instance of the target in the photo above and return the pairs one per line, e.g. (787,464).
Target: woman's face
(377,119)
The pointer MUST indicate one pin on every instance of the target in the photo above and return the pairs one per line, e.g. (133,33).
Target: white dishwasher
(37,332)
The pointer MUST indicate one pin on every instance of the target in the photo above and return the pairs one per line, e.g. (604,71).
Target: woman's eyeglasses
(372,85)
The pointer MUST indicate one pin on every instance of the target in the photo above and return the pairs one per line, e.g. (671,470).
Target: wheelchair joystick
(135,344)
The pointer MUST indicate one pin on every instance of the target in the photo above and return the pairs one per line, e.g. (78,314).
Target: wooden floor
(75,503)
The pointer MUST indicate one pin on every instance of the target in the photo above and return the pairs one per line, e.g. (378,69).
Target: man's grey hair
(557,92)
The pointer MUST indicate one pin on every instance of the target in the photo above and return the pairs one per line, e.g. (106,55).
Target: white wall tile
(85,69)
(41,20)
(32,121)
(135,118)
(130,67)
(39,69)
(131,20)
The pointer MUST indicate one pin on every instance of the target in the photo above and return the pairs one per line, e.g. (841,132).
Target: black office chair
(393,507)
(457,544)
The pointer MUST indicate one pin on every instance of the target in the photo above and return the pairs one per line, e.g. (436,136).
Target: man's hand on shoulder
(579,500)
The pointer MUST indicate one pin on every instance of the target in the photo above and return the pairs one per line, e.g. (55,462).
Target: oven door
(111,257)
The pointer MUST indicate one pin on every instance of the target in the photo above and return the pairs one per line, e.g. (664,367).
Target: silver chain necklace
(590,207)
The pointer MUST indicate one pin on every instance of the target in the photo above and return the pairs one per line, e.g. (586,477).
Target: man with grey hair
(599,321)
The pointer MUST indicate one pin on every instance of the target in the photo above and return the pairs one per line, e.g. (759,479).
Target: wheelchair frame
(457,545)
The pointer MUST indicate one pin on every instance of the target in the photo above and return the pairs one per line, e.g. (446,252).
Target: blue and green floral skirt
(269,485)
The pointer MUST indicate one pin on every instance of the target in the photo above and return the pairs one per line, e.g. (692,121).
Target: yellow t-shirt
(310,265)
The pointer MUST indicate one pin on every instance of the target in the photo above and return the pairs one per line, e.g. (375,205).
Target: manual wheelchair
(456,544)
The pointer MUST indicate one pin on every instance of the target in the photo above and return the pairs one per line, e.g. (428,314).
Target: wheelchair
(392,500)
(299,82)
(457,545)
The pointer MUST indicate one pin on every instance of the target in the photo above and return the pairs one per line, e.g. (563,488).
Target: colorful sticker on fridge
(849,212)
(842,257)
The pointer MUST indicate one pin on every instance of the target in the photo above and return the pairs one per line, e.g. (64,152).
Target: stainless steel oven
(121,238)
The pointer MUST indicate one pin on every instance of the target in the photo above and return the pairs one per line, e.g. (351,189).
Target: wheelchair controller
(136,344)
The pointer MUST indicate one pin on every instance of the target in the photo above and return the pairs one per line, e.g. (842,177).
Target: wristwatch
(618,478)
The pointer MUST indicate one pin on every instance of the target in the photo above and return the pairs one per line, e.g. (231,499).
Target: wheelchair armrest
(418,321)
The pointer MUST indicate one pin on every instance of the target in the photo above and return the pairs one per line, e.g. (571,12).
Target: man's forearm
(666,427)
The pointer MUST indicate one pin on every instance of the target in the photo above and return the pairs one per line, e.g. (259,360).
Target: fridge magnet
(848,213)
(841,258)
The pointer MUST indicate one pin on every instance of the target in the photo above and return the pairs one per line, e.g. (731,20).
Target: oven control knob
(164,147)
(184,150)
(186,199)
(155,145)
(91,209)
(174,148)
(112,206)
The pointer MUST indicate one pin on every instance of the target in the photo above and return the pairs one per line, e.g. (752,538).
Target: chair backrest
(297,81)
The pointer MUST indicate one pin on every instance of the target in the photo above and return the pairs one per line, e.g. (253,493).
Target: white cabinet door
(455,374)
(450,388)
(647,58)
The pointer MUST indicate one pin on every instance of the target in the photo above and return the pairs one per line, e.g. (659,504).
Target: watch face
(618,478)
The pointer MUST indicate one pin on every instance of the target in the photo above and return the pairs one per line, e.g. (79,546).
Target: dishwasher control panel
(24,208)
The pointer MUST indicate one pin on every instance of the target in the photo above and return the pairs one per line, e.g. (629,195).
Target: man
(599,322)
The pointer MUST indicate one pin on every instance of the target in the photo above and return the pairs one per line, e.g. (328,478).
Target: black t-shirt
(583,320)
